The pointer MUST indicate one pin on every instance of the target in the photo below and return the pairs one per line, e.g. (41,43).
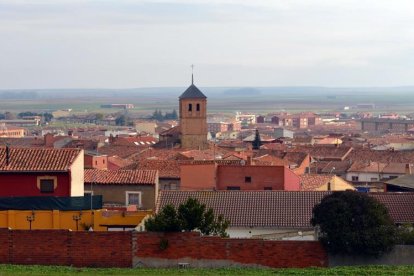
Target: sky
(152,43)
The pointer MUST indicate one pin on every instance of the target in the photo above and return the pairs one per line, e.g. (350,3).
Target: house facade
(123,188)
(41,172)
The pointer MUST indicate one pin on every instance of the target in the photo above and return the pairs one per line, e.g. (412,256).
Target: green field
(60,270)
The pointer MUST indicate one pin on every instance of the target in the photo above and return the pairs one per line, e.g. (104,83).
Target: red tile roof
(277,208)
(310,182)
(38,159)
(166,168)
(131,177)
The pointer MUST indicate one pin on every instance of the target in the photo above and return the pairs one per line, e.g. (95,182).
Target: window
(198,107)
(355,178)
(248,179)
(268,188)
(374,179)
(133,198)
(190,107)
(233,188)
(47,186)
(87,193)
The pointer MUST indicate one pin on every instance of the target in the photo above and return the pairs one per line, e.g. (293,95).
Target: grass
(62,270)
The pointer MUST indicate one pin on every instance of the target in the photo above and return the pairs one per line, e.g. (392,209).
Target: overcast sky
(150,43)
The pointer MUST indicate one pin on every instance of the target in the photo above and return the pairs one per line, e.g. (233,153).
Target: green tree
(121,120)
(191,215)
(257,142)
(354,223)
(165,221)
(47,116)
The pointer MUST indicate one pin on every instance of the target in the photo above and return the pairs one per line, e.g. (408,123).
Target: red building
(210,176)
(94,160)
(41,172)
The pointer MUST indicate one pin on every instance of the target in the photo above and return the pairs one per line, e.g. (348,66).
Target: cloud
(138,43)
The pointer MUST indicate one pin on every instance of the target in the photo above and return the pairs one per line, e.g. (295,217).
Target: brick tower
(193,118)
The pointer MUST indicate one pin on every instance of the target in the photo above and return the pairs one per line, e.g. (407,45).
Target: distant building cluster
(123,106)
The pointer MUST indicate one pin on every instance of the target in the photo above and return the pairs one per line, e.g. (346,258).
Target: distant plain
(220,100)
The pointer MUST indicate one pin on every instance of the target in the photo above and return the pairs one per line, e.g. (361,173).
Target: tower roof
(192,92)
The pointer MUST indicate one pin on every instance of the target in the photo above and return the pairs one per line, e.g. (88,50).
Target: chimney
(7,155)
(408,168)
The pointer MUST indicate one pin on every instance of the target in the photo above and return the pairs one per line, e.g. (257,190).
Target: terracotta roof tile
(310,182)
(276,208)
(38,159)
(146,177)
(166,168)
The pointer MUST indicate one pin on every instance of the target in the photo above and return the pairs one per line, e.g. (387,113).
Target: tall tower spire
(192,73)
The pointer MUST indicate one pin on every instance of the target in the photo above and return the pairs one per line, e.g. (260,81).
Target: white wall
(271,233)
(77,176)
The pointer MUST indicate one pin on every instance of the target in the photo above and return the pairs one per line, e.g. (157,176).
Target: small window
(88,193)
(268,188)
(355,178)
(103,161)
(198,107)
(96,162)
(190,107)
(133,198)
(47,185)
(248,179)
(374,179)
(233,188)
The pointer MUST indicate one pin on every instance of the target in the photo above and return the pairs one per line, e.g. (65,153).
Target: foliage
(405,234)
(257,142)
(165,221)
(157,115)
(121,120)
(191,215)
(354,223)
(47,116)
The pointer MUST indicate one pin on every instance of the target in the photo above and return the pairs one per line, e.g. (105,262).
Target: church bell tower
(193,118)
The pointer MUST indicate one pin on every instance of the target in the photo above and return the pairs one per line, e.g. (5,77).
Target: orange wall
(261,177)
(302,168)
(198,177)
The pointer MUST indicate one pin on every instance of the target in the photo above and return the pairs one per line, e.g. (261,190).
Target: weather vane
(192,73)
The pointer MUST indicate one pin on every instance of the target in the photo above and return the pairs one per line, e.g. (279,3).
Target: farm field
(223,100)
(6,270)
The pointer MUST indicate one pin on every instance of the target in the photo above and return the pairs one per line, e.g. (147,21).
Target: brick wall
(217,252)
(62,247)
(127,249)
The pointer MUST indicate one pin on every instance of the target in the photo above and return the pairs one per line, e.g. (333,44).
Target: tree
(257,142)
(354,223)
(121,120)
(48,116)
(191,215)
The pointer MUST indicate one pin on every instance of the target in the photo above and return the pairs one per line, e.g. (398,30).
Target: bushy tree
(191,215)
(354,223)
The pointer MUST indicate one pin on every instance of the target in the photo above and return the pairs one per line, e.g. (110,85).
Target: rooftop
(37,159)
(192,92)
(278,208)
(146,177)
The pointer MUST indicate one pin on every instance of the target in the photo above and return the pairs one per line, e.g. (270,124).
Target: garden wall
(191,249)
(400,255)
(133,249)
(63,247)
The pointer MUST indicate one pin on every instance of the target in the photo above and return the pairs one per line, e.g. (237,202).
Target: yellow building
(96,220)
(324,182)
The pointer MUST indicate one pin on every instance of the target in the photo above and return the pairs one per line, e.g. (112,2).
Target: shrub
(354,223)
